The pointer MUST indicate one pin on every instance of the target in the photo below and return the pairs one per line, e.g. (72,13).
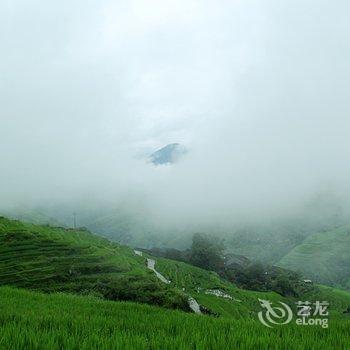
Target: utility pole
(75,220)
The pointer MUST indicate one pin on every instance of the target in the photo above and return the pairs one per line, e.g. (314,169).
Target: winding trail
(151,265)
(192,303)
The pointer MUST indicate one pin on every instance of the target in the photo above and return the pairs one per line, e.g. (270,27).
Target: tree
(207,252)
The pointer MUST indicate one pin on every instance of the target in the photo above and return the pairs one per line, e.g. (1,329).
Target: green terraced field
(30,320)
(57,259)
(30,253)
(53,259)
(196,282)
(323,257)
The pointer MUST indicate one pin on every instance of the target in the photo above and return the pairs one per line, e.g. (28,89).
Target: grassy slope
(31,320)
(323,257)
(56,259)
(245,302)
(196,281)
(31,253)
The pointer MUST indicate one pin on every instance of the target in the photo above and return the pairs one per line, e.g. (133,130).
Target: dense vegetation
(244,303)
(208,252)
(54,259)
(31,320)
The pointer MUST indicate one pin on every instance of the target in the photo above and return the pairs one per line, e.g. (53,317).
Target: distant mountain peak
(168,154)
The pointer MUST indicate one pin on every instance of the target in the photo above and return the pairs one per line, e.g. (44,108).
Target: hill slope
(33,320)
(323,257)
(58,259)
(54,259)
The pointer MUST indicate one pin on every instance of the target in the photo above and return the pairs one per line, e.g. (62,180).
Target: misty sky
(256,90)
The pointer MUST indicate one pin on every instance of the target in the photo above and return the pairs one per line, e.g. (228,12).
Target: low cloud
(256,92)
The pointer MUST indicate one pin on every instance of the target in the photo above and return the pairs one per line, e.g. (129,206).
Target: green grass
(29,253)
(323,257)
(54,259)
(50,259)
(245,302)
(190,277)
(31,320)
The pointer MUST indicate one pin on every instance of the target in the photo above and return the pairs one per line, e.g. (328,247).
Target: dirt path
(194,306)
(151,265)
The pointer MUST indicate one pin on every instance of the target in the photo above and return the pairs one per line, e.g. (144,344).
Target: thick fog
(257,91)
